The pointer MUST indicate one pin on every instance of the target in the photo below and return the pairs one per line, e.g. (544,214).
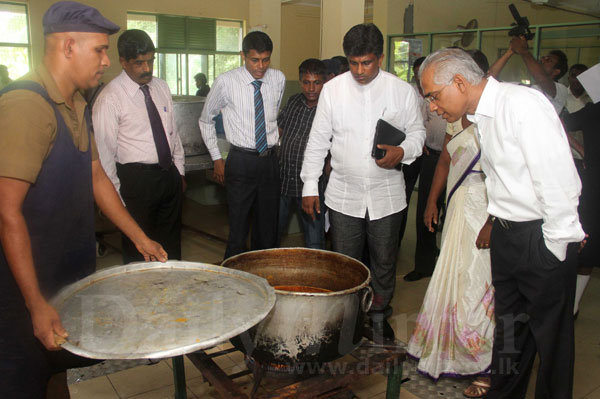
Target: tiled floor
(150,381)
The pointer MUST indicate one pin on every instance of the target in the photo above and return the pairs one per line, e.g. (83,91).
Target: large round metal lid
(154,310)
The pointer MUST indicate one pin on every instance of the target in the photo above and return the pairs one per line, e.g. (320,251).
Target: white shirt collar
(129,85)
(487,102)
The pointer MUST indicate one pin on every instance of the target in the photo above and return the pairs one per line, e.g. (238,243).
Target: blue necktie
(158,131)
(260,131)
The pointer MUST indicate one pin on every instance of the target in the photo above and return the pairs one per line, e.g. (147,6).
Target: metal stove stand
(330,380)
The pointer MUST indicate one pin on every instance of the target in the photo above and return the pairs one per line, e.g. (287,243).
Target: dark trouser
(348,237)
(25,365)
(411,174)
(314,230)
(534,313)
(427,249)
(153,197)
(589,214)
(252,184)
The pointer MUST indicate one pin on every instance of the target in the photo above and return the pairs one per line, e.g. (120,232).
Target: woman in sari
(455,327)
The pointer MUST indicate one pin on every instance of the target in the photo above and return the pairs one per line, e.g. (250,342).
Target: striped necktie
(260,131)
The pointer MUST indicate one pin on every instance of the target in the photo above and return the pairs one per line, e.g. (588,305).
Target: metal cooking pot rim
(364,284)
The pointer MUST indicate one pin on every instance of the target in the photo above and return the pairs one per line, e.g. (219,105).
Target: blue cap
(70,16)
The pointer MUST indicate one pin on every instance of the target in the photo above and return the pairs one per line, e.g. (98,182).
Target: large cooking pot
(187,111)
(306,326)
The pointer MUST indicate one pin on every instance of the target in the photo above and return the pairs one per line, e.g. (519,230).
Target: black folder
(385,133)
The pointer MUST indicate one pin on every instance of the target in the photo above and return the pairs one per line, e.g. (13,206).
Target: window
(14,39)
(405,52)
(186,46)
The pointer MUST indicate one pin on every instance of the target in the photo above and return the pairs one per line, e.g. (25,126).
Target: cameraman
(545,73)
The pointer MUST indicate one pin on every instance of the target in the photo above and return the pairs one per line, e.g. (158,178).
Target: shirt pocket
(165,115)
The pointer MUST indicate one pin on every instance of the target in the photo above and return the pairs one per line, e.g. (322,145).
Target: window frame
(182,54)
(20,45)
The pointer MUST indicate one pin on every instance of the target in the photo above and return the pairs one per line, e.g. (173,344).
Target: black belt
(251,151)
(144,166)
(435,152)
(510,225)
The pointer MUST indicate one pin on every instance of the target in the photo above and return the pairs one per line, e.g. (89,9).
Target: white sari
(455,327)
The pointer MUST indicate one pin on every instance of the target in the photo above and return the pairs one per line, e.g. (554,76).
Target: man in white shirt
(365,196)
(249,98)
(139,147)
(545,73)
(533,192)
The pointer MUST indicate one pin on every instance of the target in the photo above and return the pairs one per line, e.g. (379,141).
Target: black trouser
(154,198)
(411,174)
(427,249)
(252,184)
(589,215)
(534,313)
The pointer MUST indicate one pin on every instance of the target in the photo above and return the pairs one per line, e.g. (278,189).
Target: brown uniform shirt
(28,127)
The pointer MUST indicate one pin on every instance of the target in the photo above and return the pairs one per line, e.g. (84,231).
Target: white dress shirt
(122,127)
(345,122)
(526,159)
(233,94)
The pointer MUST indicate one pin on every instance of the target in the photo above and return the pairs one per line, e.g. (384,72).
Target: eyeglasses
(433,97)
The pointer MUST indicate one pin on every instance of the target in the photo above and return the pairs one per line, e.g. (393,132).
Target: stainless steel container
(155,310)
(187,111)
(306,327)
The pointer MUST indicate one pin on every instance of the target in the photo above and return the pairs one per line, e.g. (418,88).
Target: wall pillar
(337,17)
(265,16)
(380,18)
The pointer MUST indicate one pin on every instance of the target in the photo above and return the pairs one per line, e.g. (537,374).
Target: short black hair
(480,59)
(343,63)
(417,63)
(200,76)
(363,39)
(258,41)
(134,42)
(562,64)
(314,66)
(579,67)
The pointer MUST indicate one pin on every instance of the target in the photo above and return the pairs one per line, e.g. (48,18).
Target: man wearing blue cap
(49,177)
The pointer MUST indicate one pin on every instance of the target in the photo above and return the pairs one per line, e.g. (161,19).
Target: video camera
(521,28)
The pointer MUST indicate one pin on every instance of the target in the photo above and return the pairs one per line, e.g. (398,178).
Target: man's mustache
(146,75)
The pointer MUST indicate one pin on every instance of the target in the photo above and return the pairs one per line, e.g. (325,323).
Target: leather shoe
(415,275)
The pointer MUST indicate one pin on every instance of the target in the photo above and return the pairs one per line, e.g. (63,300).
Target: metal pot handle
(367,299)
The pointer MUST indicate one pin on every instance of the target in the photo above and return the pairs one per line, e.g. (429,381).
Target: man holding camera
(545,72)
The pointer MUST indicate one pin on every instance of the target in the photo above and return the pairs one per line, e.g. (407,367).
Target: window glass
(226,62)
(14,39)
(229,36)
(143,22)
(210,46)
(13,23)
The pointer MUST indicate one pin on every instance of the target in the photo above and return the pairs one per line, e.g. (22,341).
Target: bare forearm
(539,75)
(576,145)
(441,174)
(439,181)
(16,244)
(497,67)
